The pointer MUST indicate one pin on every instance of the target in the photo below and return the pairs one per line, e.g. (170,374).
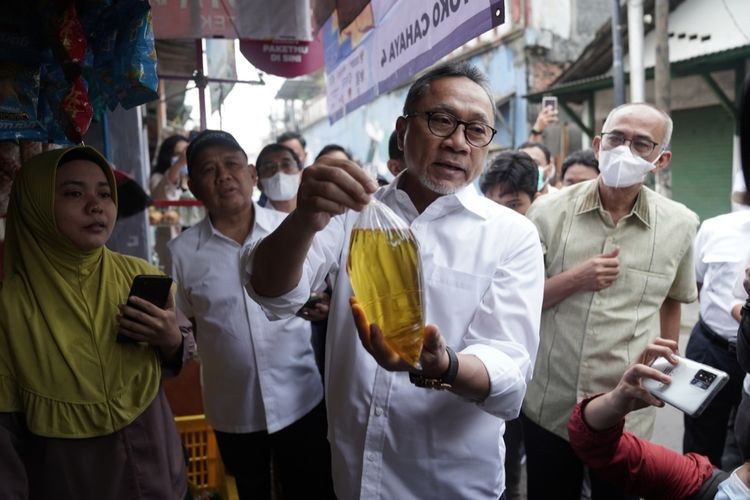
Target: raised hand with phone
(637,466)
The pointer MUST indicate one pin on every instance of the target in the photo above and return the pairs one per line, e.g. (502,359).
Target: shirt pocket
(648,289)
(452,299)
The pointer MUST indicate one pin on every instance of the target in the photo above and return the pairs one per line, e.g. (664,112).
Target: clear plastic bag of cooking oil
(386,275)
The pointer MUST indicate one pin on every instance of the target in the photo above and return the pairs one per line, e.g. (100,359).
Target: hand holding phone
(693,384)
(316,307)
(152,288)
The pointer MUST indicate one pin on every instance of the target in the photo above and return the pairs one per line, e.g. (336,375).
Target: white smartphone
(693,385)
(550,101)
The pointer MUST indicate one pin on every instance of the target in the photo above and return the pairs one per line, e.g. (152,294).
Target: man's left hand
(434,359)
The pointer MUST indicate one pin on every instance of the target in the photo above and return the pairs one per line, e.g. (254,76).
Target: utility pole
(662,83)
(635,51)
(618,74)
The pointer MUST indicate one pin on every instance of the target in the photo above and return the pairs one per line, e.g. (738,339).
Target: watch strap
(442,383)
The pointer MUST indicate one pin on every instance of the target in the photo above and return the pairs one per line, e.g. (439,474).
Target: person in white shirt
(721,248)
(261,388)
(483,285)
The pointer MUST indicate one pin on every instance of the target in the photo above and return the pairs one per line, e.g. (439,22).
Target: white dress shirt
(721,250)
(257,374)
(484,280)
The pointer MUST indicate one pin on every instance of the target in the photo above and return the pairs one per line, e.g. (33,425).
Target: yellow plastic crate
(205,470)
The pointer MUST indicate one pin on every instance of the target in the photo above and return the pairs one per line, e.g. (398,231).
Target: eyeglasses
(638,145)
(443,124)
(270,167)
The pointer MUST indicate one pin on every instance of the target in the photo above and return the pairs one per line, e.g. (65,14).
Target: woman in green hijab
(86,414)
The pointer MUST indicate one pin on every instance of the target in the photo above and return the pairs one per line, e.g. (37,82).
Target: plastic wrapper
(136,57)
(19,91)
(67,105)
(385,271)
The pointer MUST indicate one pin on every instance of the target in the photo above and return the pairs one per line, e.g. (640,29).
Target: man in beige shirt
(619,262)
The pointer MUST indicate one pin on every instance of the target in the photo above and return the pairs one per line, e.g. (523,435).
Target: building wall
(539,39)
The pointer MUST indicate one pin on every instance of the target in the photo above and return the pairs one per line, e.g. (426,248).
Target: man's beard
(442,189)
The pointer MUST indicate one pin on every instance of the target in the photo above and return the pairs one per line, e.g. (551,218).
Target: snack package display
(19,90)
(136,73)
(385,271)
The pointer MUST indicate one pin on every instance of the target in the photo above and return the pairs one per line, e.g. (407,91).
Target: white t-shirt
(257,374)
(484,280)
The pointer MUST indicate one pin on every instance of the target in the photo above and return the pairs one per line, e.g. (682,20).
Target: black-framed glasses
(640,146)
(443,124)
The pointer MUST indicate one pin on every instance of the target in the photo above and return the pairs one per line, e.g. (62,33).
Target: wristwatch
(442,383)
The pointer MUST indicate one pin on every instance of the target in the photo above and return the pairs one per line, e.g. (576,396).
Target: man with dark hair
(395,155)
(335,151)
(579,166)
(398,431)
(511,181)
(261,387)
(543,158)
(295,142)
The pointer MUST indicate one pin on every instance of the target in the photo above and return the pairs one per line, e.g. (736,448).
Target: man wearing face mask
(619,262)
(279,172)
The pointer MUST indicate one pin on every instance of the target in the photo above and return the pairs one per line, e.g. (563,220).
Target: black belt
(717,339)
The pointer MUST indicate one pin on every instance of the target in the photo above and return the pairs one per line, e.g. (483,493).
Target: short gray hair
(451,69)
(668,124)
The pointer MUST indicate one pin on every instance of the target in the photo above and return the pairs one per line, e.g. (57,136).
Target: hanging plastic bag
(385,271)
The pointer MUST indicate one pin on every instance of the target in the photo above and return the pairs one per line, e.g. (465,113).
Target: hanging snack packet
(386,275)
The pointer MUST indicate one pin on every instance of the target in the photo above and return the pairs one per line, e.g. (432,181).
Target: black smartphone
(154,288)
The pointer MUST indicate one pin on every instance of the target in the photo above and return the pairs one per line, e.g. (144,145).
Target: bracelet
(535,132)
(442,383)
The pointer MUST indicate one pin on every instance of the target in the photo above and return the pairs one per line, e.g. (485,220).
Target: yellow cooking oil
(384,270)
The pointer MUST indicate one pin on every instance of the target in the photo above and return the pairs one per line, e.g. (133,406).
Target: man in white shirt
(261,387)
(483,284)
(721,250)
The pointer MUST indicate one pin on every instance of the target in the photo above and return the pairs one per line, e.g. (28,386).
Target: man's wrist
(535,131)
(442,382)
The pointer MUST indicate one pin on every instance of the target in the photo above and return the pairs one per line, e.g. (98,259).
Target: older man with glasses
(397,431)
(619,262)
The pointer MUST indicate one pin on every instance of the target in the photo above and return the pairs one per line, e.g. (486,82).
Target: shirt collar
(592,201)
(467,196)
(262,221)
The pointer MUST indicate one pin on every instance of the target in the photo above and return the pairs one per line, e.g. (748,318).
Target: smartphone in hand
(693,385)
(550,101)
(151,287)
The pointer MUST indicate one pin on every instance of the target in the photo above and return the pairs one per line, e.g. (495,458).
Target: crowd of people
(547,293)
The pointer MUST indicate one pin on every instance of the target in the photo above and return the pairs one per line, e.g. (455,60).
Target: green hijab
(60,364)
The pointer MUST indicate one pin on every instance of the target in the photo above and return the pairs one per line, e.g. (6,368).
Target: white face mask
(732,488)
(620,168)
(280,186)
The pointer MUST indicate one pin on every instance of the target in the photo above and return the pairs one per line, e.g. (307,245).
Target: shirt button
(378,411)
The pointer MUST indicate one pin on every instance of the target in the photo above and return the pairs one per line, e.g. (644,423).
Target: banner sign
(289,19)
(401,41)
(287,58)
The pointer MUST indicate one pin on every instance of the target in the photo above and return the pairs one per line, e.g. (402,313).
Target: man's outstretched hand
(434,358)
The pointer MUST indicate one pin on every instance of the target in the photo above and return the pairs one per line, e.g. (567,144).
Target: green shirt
(588,340)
